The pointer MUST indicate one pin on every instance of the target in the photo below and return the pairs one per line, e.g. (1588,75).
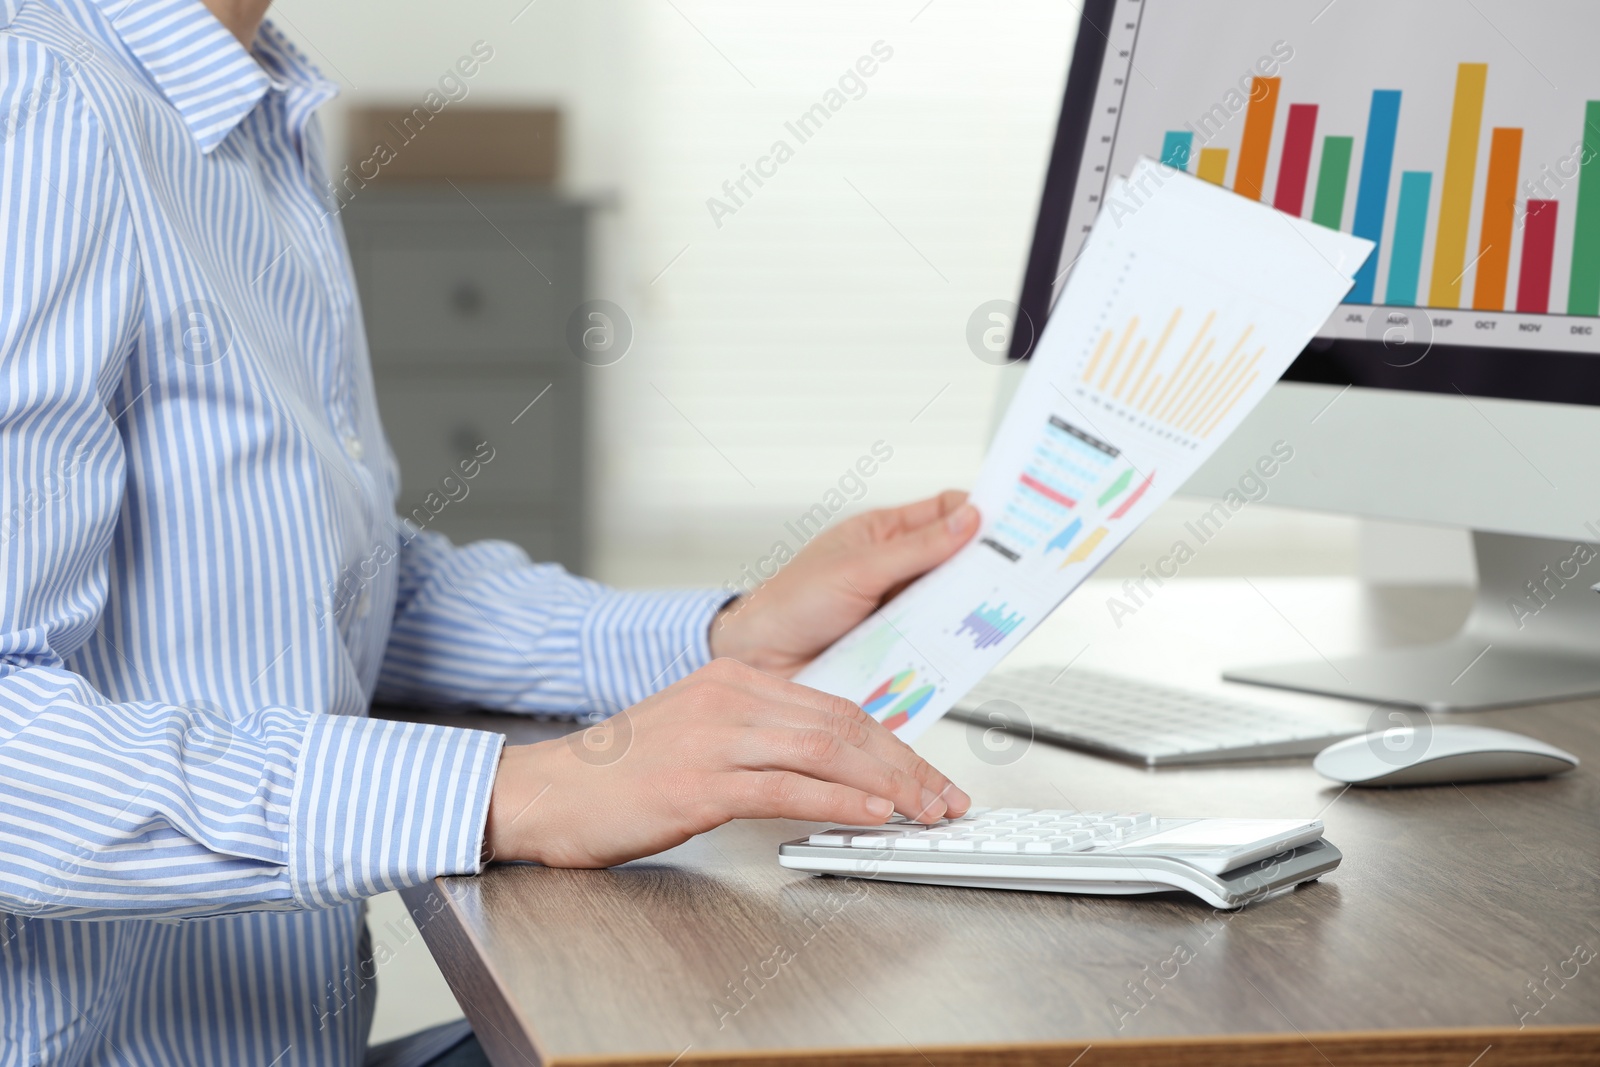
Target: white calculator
(1228,863)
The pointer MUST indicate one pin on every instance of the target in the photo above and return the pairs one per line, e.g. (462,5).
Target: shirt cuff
(634,644)
(381,805)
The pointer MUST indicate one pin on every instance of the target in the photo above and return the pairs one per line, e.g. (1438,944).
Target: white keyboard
(1226,862)
(1150,724)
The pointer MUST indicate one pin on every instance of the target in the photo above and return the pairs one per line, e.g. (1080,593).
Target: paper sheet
(1187,303)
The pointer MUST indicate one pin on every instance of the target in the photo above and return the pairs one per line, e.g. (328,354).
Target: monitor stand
(1533,637)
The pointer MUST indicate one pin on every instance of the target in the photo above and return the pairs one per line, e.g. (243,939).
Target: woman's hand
(839,579)
(727,742)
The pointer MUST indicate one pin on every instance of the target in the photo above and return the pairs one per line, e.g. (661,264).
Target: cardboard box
(476,144)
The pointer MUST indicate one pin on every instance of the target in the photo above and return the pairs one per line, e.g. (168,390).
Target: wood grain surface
(1458,931)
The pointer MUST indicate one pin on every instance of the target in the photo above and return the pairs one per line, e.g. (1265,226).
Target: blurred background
(503,163)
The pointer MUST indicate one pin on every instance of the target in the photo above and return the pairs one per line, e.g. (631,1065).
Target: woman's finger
(776,701)
(809,708)
(822,754)
(888,522)
(787,795)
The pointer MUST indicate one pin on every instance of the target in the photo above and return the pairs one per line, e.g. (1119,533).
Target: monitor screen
(1464,140)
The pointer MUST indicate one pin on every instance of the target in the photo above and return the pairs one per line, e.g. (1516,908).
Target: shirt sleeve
(479,625)
(125,809)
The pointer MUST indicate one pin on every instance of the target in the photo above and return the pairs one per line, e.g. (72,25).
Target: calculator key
(1005,844)
(876,840)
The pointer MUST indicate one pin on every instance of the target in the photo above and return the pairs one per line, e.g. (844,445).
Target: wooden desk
(1420,949)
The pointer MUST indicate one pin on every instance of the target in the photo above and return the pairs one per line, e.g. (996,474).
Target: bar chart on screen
(1471,159)
(1411,205)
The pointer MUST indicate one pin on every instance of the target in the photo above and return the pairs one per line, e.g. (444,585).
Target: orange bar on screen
(1499,212)
(1251,174)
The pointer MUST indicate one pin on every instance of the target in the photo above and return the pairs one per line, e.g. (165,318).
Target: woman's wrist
(725,636)
(508,832)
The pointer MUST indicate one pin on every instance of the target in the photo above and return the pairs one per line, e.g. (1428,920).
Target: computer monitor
(1460,382)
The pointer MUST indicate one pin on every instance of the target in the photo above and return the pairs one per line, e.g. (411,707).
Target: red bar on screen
(1296,164)
(1538,250)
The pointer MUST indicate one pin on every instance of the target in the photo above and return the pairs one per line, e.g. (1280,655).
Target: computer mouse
(1440,754)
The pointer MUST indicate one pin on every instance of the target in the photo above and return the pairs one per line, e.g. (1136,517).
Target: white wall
(829,312)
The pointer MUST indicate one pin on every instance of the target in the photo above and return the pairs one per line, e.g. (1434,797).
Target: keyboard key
(956,844)
(832,837)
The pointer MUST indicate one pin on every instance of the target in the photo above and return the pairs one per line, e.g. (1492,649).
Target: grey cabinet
(466,295)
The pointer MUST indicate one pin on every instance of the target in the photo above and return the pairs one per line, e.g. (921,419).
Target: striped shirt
(202,580)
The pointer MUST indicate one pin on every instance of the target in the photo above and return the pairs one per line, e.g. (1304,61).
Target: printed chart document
(1187,303)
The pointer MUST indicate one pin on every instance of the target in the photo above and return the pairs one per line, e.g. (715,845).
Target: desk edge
(507,1036)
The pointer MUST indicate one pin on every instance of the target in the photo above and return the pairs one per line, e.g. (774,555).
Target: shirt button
(354,448)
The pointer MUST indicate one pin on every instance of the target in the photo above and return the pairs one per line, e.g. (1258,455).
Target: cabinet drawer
(460,298)
(476,274)
(435,422)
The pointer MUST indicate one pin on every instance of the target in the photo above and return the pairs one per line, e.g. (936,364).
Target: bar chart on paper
(989,625)
(1471,158)
(1186,388)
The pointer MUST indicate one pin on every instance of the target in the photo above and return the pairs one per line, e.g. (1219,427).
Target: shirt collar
(205,73)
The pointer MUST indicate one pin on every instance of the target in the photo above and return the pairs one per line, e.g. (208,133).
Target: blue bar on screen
(1372,194)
